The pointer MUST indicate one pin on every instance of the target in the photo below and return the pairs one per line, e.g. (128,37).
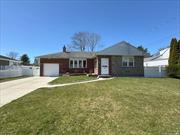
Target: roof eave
(119,54)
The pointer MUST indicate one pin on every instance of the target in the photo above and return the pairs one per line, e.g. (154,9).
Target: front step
(104,76)
(92,75)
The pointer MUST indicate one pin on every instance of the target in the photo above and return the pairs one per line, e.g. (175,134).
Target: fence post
(160,71)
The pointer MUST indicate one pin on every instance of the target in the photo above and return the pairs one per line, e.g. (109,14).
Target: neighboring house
(158,59)
(6,61)
(121,59)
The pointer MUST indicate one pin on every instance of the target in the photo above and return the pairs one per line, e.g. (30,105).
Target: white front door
(104,66)
(51,69)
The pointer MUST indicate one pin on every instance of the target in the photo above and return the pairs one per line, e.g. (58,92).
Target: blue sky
(39,27)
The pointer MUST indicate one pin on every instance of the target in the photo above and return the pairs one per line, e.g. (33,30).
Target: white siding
(156,63)
(162,60)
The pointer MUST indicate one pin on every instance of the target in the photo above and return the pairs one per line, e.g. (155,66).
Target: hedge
(173,71)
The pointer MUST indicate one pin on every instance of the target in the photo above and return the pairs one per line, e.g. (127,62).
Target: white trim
(78,59)
(10,60)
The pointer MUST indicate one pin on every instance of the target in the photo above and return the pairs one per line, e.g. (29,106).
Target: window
(128,61)
(131,62)
(125,62)
(80,64)
(84,64)
(71,64)
(77,63)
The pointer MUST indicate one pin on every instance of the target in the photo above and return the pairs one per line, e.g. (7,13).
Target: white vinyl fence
(15,71)
(156,72)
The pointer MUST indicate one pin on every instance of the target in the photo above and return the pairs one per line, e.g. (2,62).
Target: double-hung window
(77,63)
(84,63)
(127,61)
(80,64)
(71,63)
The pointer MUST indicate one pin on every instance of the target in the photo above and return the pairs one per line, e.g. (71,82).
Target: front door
(104,66)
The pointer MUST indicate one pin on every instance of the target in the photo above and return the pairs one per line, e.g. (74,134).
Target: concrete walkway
(66,84)
(15,89)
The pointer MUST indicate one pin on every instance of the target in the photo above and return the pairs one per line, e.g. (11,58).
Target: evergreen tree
(173,69)
(173,57)
(25,59)
(144,50)
(178,51)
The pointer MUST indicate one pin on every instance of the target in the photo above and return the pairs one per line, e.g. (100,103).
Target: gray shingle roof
(69,55)
(4,57)
(7,58)
(121,48)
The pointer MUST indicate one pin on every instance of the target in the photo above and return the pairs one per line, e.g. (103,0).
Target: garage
(51,69)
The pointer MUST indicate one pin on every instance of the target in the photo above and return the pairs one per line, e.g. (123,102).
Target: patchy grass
(71,79)
(131,106)
(11,78)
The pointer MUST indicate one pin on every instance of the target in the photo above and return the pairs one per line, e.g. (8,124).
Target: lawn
(11,78)
(121,106)
(71,79)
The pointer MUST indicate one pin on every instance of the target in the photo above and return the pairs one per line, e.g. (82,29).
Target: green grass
(11,78)
(71,79)
(121,106)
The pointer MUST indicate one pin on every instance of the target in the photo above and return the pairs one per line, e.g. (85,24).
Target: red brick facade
(64,66)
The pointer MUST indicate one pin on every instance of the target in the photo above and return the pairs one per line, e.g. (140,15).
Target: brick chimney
(64,48)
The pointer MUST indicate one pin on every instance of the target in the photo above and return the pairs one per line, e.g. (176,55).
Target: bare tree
(12,55)
(93,40)
(85,41)
(79,41)
(69,47)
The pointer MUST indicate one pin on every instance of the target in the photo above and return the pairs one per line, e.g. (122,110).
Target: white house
(158,59)
(7,62)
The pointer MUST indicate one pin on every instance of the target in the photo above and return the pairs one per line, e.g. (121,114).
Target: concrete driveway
(12,90)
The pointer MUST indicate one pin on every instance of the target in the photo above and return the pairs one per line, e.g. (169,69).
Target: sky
(38,27)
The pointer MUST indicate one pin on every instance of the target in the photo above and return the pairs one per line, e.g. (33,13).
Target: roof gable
(161,55)
(122,48)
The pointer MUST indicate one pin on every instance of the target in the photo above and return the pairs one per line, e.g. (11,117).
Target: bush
(173,71)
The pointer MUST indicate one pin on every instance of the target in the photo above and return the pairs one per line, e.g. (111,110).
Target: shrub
(173,71)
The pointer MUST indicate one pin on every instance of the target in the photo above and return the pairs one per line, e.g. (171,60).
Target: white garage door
(51,69)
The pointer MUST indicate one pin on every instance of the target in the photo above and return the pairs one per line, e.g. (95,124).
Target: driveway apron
(12,90)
